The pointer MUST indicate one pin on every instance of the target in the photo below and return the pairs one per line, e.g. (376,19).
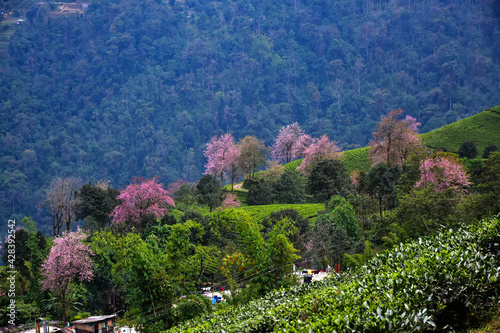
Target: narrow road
(238,187)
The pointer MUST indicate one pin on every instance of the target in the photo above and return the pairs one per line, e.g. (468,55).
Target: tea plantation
(436,283)
(482,129)
(309,211)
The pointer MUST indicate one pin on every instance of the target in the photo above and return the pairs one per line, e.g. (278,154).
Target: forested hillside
(135,88)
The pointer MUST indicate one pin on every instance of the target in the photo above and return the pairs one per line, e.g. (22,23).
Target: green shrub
(260,193)
(488,150)
(468,149)
(191,307)
(248,182)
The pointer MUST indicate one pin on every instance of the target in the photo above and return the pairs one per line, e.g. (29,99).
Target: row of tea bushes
(429,284)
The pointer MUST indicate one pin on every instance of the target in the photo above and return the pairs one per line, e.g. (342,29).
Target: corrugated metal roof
(64,330)
(93,319)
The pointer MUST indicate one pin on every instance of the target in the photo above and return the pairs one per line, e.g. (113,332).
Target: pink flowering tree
(394,139)
(69,260)
(320,149)
(219,153)
(283,147)
(443,172)
(144,196)
(301,144)
(231,201)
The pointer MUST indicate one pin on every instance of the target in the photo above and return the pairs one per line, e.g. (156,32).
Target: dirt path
(238,187)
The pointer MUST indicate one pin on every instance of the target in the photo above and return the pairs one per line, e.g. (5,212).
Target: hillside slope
(483,129)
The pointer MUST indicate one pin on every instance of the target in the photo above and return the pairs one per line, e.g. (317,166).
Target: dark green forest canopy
(136,88)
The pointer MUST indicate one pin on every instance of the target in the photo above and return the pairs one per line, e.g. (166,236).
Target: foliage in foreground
(434,283)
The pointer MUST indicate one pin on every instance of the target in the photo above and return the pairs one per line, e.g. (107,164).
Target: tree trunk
(380,204)
(152,301)
(64,305)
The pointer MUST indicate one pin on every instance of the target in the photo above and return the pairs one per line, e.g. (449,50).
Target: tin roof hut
(95,324)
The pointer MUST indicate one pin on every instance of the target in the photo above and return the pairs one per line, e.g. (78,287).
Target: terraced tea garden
(356,159)
(309,211)
(482,129)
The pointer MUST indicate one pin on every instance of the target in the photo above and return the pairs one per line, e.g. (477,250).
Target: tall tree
(252,154)
(283,147)
(381,183)
(289,188)
(301,144)
(319,149)
(261,193)
(299,236)
(209,191)
(144,196)
(61,200)
(328,178)
(280,250)
(342,214)
(95,204)
(220,154)
(185,196)
(69,259)
(394,139)
(468,149)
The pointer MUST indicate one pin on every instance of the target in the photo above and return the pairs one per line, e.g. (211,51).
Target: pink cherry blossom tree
(231,201)
(69,260)
(320,149)
(443,172)
(394,139)
(144,196)
(300,145)
(283,147)
(219,154)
